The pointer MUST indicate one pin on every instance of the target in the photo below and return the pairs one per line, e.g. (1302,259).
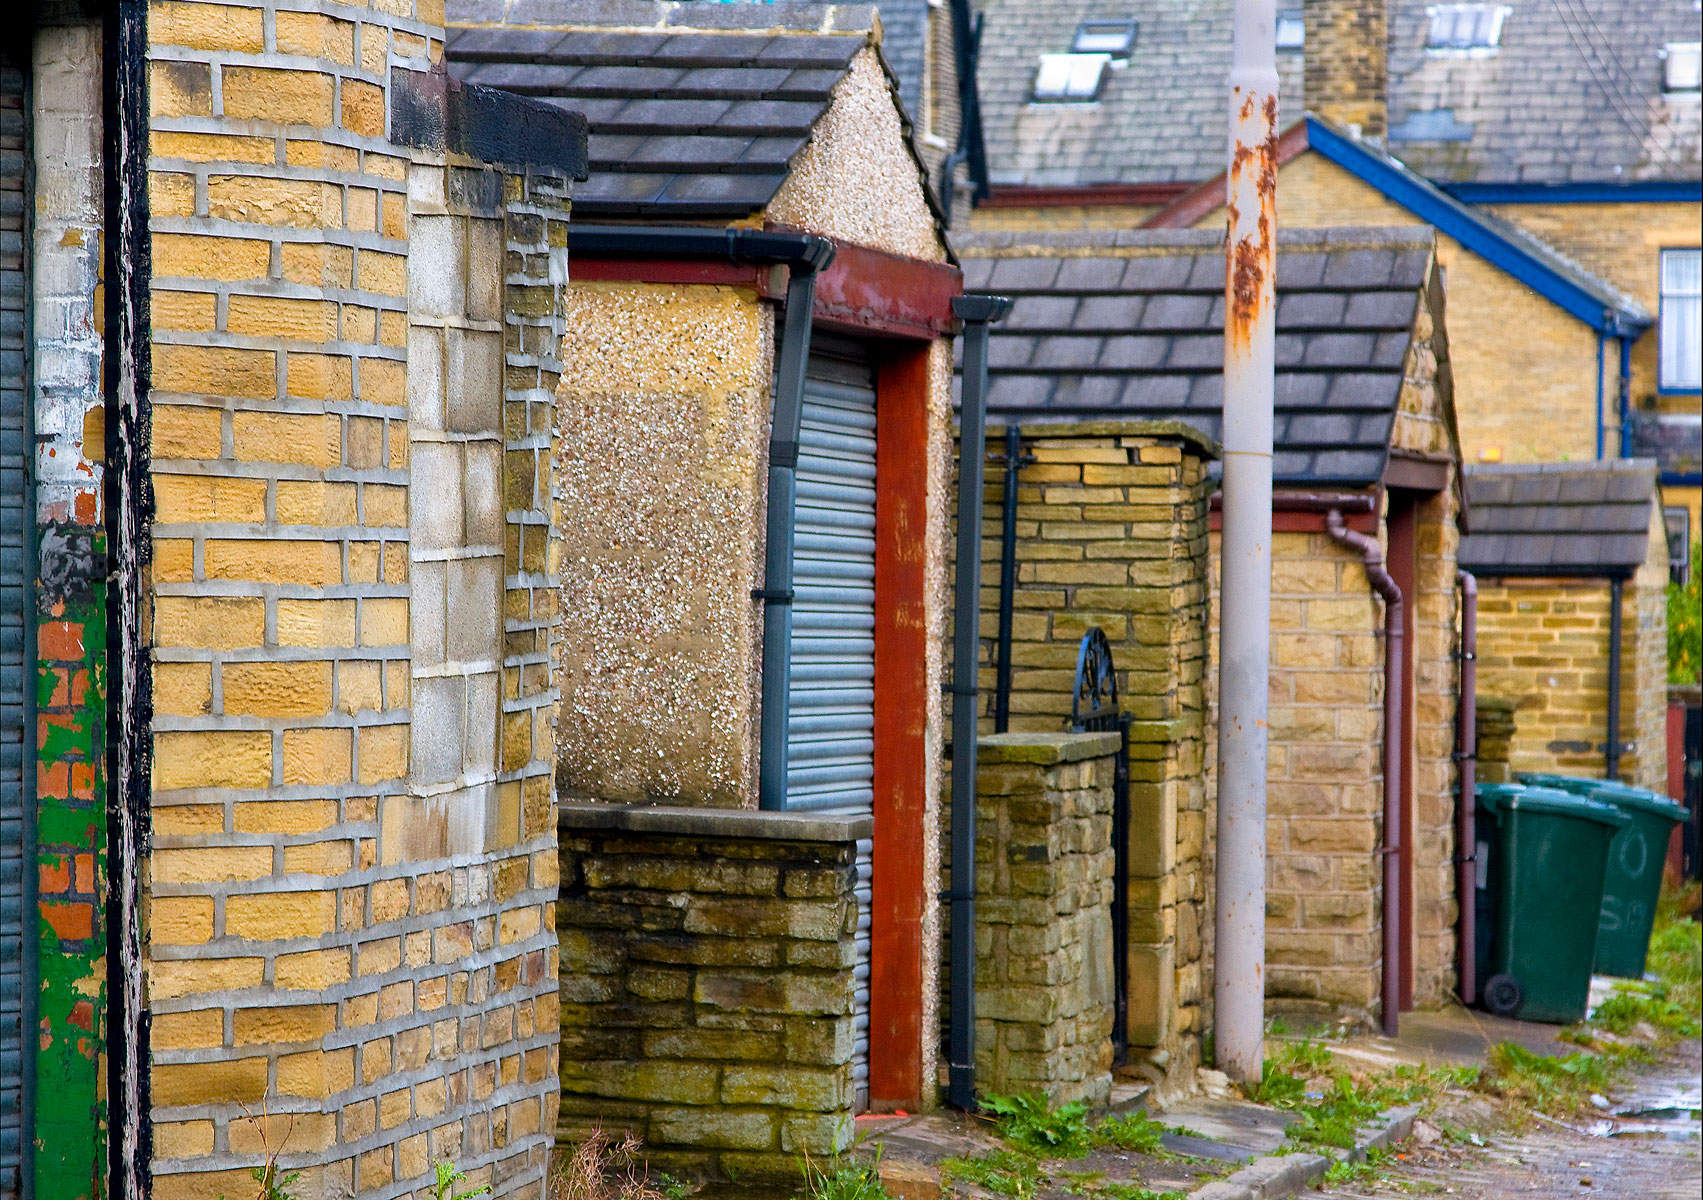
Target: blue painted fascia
(1641,191)
(1682,479)
(1424,201)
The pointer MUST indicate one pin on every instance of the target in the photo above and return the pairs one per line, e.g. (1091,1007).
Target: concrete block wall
(1112,533)
(707,983)
(346,931)
(1044,890)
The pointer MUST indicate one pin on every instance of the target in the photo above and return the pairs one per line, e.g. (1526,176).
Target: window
(1465,27)
(1678,522)
(1682,67)
(1291,30)
(1682,320)
(1070,77)
(1116,38)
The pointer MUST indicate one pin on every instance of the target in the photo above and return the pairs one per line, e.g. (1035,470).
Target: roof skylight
(1466,26)
(1070,77)
(1682,67)
(1291,30)
(1116,38)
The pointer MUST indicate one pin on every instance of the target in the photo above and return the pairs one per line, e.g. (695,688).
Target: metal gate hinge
(772,595)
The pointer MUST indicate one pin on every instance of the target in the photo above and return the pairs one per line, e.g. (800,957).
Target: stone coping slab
(743,823)
(1045,749)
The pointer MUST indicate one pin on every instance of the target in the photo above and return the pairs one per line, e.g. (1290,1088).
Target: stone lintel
(1045,749)
(744,823)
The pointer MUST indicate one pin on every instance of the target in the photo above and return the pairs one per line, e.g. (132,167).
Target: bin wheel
(1503,995)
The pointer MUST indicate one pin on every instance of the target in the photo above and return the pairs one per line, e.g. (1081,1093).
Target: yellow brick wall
(1543,643)
(317,949)
(989,219)
(1111,534)
(1622,243)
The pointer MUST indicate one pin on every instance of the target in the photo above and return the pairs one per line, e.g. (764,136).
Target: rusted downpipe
(1466,831)
(1372,555)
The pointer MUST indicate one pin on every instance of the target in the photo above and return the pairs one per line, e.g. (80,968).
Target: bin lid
(1520,797)
(1611,791)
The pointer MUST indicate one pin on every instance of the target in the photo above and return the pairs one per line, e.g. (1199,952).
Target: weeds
(1121,1191)
(602,1169)
(1008,1173)
(1551,1083)
(1028,1123)
(443,1188)
(1136,1131)
(843,1179)
(1344,1171)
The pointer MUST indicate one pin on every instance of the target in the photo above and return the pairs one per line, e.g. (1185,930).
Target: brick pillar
(1346,63)
(1044,885)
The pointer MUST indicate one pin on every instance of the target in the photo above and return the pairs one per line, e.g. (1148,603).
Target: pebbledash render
(296,614)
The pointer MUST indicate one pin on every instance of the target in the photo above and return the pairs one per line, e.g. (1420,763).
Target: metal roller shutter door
(831,705)
(15,608)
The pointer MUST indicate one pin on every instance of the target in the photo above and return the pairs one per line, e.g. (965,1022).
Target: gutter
(1466,816)
(804,255)
(977,312)
(1372,555)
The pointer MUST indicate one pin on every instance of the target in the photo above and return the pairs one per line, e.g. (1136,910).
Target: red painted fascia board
(1201,199)
(864,290)
(1090,195)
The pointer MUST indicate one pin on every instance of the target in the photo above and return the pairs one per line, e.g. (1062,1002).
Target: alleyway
(1654,1156)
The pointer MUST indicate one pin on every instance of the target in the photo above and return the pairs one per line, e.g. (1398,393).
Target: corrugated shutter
(14,611)
(831,707)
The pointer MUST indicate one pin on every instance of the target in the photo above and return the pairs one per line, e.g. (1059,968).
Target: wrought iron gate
(1094,708)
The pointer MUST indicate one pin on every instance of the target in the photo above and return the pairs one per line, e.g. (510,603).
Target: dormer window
(1116,38)
(1466,27)
(1682,67)
(1067,78)
(1291,30)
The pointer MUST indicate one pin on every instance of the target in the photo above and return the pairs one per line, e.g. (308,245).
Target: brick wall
(1044,889)
(1345,69)
(707,984)
(1112,534)
(71,597)
(346,930)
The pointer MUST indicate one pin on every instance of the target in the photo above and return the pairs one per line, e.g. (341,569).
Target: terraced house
(282,315)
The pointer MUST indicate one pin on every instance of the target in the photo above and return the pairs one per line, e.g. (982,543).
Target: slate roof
(1573,94)
(1093,334)
(1570,519)
(695,110)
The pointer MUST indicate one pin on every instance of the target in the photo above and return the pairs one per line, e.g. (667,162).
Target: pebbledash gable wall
(350,910)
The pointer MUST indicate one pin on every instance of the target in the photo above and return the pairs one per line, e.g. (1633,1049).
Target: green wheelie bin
(1635,862)
(1542,855)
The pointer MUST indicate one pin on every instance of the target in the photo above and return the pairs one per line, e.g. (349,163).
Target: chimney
(1345,63)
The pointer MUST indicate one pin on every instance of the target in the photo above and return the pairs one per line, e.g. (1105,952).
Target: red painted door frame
(1404,569)
(901,726)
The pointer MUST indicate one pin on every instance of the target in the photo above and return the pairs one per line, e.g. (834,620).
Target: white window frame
(1291,29)
(1116,38)
(1070,78)
(1484,31)
(1681,306)
(1682,69)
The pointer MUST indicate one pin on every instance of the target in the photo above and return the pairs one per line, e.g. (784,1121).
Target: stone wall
(350,911)
(1044,889)
(706,983)
(1543,643)
(1112,534)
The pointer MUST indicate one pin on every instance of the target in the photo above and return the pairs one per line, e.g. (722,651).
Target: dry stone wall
(1044,889)
(706,984)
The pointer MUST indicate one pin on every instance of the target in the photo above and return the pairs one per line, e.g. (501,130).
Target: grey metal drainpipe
(1616,605)
(976,312)
(1466,818)
(804,255)
(1372,555)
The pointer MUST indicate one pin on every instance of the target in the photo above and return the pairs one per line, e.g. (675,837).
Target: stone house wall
(1543,643)
(1112,533)
(350,915)
(1044,891)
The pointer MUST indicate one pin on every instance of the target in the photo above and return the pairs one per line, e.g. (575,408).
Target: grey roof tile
(1152,345)
(1558,518)
(683,119)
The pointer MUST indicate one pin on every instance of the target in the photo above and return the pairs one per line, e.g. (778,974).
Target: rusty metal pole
(1250,327)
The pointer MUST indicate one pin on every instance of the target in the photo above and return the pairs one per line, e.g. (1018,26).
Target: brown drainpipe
(1372,555)
(1466,759)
